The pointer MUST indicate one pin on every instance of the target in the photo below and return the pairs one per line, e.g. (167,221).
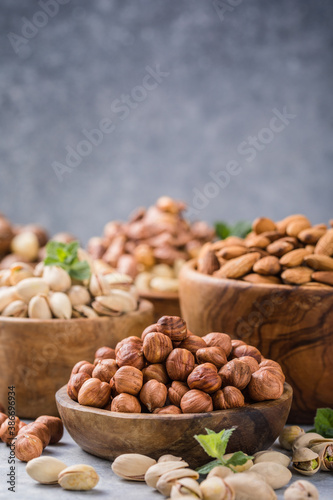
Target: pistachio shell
(39,308)
(301,490)
(169,458)
(79,295)
(29,287)
(303,440)
(163,284)
(132,466)
(45,470)
(142,281)
(303,458)
(26,245)
(220,471)
(215,488)
(16,309)
(324,448)
(118,300)
(84,312)
(239,468)
(275,474)
(57,278)
(60,305)
(250,487)
(78,477)
(272,456)
(185,486)
(20,271)
(7,295)
(288,436)
(156,471)
(165,482)
(5,277)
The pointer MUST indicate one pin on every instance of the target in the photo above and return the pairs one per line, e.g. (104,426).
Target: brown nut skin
(3,417)
(136,342)
(251,362)
(153,395)
(179,364)
(205,378)
(176,391)
(269,362)
(126,403)
(265,385)
(192,343)
(37,429)
(174,327)
(156,347)
(155,371)
(105,370)
(274,371)
(55,426)
(128,379)
(94,393)
(168,410)
(83,366)
(219,340)
(27,447)
(130,355)
(228,397)
(235,373)
(195,401)
(151,328)
(246,350)
(214,355)
(75,383)
(105,353)
(9,429)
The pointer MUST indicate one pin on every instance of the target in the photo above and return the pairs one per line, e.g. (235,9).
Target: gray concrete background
(229,67)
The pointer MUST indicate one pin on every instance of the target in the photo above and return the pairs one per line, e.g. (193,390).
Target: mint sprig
(65,255)
(324,422)
(215,445)
(240,229)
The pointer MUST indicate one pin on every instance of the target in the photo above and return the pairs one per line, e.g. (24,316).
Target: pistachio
(26,245)
(250,487)
(118,280)
(186,486)
(39,269)
(301,490)
(215,488)
(57,278)
(29,287)
(275,474)
(20,271)
(132,466)
(164,284)
(78,477)
(39,307)
(306,461)
(60,305)
(142,281)
(169,458)
(220,471)
(303,440)
(104,311)
(288,436)
(324,448)
(163,271)
(272,456)
(156,471)
(166,481)
(16,309)
(45,470)
(118,301)
(5,277)
(98,285)
(84,312)
(239,468)
(7,295)
(79,295)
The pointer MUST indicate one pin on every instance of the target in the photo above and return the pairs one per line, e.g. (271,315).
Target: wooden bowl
(165,303)
(109,434)
(292,325)
(37,356)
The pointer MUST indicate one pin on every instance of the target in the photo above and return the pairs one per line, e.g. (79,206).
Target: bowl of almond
(274,290)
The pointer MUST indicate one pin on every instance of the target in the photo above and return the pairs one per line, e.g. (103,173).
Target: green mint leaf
(238,458)
(51,261)
(80,270)
(52,247)
(224,441)
(324,422)
(61,254)
(241,229)
(222,230)
(208,467)
(214,443)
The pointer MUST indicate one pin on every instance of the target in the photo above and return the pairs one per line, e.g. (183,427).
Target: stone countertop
(109,486)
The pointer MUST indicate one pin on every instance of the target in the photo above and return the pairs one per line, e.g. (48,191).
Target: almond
(231,252)
(257,240)
(263,224)
(297,275)
(325,277)
(267,265)
(259,278)
(207,261)
(325,244)
(319,262)
(282,224)
(235,268)
(279,247)
(272,235)
(296,226)
(311,235)
(294,258)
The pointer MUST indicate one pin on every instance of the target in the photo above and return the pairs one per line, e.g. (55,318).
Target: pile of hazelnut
(170,370)
(290,251)
(152,245)
(29,440)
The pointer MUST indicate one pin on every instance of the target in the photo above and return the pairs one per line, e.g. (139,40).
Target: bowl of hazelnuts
(152,394)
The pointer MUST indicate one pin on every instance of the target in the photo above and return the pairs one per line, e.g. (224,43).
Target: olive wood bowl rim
(189,269)
(144,305)
(65,401)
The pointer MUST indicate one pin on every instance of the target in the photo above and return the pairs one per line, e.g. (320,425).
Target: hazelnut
(174,327)
(130,355)
(105,370)
(235,343)
(3,417)
(105,353)
(251,362)
(128,379)
(55,426)
(153,394)
(37,429)
(155,371)
(276,371)
(135,341)
(176,391)
(195,401)
(215,355)
(215,339)
(269,362)
(156,347)
(265,385)
(27,447)
(152,328)
(205,378)
(75,383)
(246,350)
(228,397)
(179,364)
(9,429)
(94,393)
(235,373)
(83,366)
(168,410)
(192,343)
(126,403)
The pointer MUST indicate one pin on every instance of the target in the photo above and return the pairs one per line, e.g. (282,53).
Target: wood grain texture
(292,325)
(37,356)
(165,303)
(108,434)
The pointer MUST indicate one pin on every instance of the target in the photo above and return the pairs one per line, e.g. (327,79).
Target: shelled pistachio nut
(83,311)
(167,480)
(250,487)
(57,278)
(220,471)
(7,295)
(16,309)
(20,271)
(239,468)
(39,307)
(186,486)
(301,490)
(78,477)
(79,295)
(303,440)
(45,470)
(156,471)
(306,461)
(275,474)
(272,456)
(288,436)
(132,466)
(29,287)
(60,305)
(215,488)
